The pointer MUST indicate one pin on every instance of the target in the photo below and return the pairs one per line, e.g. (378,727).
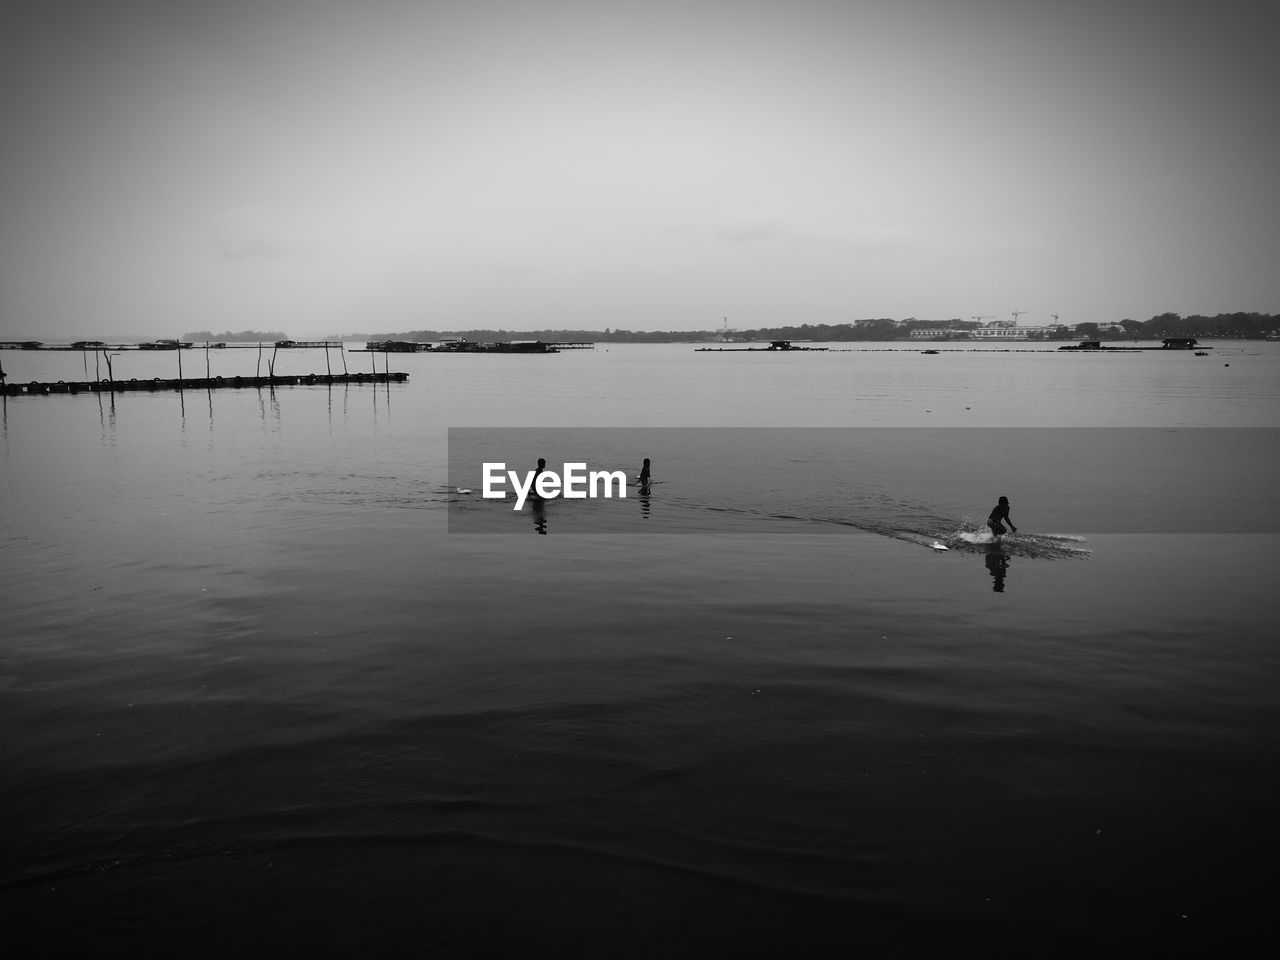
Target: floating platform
(463,345)
(774,345)
(1169,343)
(35,388)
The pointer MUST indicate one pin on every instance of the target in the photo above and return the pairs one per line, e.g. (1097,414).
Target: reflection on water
(107,416)
(998,566)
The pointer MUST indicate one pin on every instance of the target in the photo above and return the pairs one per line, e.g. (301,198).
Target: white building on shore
(1001,330)
(940,333)
(1004,330)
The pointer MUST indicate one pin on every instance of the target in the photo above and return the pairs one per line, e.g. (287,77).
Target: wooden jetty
(36,388)
(98,345)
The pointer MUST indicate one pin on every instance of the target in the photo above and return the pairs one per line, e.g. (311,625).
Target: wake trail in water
(931,530)
(783,511)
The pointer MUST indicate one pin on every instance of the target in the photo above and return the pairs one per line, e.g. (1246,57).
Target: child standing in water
(999,517)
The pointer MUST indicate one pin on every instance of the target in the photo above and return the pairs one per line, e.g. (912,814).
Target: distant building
(999,330)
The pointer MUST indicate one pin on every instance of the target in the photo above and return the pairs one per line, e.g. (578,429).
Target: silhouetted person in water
(999,517)
(644,489)
(535,499)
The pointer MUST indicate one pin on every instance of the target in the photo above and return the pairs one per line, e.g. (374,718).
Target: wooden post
(257,371)
(206,360)
(326,359)
(343,352)
(179,363)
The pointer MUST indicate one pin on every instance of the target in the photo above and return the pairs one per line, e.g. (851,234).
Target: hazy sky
(385,165)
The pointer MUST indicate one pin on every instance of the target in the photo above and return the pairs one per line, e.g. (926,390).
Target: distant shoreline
(1225,326)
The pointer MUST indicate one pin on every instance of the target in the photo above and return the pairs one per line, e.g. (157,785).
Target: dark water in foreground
(256,697)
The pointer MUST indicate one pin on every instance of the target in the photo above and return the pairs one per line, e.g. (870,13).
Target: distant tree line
(1235,326)
(884,330)
(237,336)
(1231,326)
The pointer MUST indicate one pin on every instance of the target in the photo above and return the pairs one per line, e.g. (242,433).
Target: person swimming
(999,517)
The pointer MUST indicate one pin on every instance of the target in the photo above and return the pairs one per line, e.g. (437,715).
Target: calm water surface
(255,694)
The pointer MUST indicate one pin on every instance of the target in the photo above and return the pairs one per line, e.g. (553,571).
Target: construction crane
(1016,315)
